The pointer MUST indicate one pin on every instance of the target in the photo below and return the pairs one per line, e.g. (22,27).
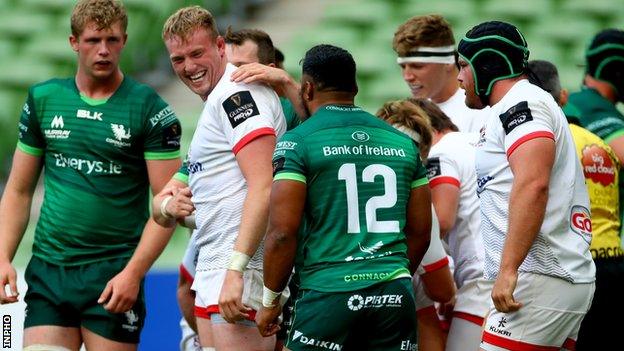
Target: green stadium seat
(387,87)
(25,72)
(564,31)
(453,11)
(600,10)
(21,24)
(520,13)
(360,14)
(50,6)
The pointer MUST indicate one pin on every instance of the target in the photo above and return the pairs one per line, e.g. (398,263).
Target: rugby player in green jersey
(359,186)
(104,140)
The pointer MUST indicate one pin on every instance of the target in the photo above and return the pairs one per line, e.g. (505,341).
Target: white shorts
(423,301)
(549,319)
(207,286)
(473,300)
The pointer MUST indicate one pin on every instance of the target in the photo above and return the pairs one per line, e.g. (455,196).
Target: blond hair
(103,13)
(188,19)
(429,30)
(406,114)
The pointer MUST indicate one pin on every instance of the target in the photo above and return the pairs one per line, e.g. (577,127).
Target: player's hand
(230,300)
(257,72)
(121,292)
(180,205)
(267,320)
(502,292)
(8,276)
(446,309)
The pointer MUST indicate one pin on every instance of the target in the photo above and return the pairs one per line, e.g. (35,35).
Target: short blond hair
(428,30)
(103,13)
(188,19)
(409,115)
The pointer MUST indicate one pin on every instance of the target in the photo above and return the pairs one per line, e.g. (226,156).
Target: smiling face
(198,60)
(99,50)
(429,80)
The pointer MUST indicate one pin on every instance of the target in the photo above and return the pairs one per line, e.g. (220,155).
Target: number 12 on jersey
(347,172)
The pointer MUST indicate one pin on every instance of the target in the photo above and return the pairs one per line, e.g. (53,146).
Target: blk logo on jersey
(598,165)
(95,116)
(580,222)
(239,107)
(433,167)
(515,116)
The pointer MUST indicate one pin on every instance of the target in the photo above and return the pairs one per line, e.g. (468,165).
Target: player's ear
(563,97)
(73,42)
(307,91)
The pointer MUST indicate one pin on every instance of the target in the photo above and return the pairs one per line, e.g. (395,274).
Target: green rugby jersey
(292,120)
(359,172)
(96,184)
(595,113)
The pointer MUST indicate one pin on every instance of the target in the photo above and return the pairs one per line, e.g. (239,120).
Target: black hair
(331,68)
(544,74)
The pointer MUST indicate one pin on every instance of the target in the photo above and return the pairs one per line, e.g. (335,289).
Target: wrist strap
(163,207)
(270,298)
(238,261)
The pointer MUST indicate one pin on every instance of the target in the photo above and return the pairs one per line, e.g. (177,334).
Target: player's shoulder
(51,87)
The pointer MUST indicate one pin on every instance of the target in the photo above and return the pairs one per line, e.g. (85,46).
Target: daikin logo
(299,337)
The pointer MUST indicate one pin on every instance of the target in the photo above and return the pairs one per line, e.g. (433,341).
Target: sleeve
(435,258)
(247,115)
(441,169)
(162,141)
(288,159)
(183,173)
(420,174)
(189,261)
(526,121)
(292,120)
(30,138)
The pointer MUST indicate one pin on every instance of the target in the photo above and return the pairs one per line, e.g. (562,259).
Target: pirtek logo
(57,122)
(89,115)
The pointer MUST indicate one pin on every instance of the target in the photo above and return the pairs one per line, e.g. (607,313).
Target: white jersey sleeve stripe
(436,265)
(530,136)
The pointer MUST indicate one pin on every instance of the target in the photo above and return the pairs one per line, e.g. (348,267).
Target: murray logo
(360,136)
(299,337)
(121,134)
(580,222)
(96,116)
(131,319)
(57,122)
(57,130)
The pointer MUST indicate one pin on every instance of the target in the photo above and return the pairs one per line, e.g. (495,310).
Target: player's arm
(445,199)
(254,161)
(279,79)
(617,144)
(418,225)
(121,292)
(531,164)
(14,216)
(287,204)
(172,203)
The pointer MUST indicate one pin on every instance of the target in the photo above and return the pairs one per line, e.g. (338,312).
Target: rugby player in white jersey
(229,176)
(426,49)
(534,205)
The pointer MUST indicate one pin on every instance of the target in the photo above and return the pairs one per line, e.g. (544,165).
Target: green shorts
(380,317)
(67,296)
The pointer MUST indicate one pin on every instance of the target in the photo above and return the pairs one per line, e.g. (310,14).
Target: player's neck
(447,92)
(98,88)
(502,87)
(330,98)
(603,88)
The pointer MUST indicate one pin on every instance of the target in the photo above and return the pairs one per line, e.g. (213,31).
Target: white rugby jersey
(234,114)
(189,261)
(466,119)
(452,161)
(561,249)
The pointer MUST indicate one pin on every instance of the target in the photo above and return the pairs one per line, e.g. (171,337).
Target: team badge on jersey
(515,116)
(239,107)
(171,135)
(433,167)
(278,164)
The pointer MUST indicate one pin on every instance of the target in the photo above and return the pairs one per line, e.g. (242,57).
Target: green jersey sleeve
(183,173)
(420,175)
(292,120)
(30,139)
(163,132)
(288,159)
